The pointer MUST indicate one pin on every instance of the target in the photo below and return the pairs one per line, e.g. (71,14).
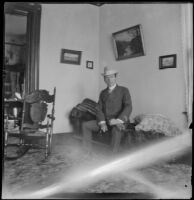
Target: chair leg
(6,141)
(50,143)
(21,142)
(47,145)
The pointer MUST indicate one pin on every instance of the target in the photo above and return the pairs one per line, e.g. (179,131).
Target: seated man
(114,109)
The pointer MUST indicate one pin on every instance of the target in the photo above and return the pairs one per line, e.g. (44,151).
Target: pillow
(156,123)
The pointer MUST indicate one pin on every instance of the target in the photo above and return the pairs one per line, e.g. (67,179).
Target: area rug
(33,172)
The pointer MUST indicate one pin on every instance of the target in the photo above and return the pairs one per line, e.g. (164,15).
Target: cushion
(38,112)
(156,123)
(88,105)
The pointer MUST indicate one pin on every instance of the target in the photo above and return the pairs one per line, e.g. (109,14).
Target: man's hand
(103,127)
(114,122)
(117,123)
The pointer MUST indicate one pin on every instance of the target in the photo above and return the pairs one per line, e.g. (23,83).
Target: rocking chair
(34,132)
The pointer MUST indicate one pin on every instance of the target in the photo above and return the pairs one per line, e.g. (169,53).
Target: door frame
(33,13)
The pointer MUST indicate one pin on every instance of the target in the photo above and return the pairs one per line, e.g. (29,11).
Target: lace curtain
(187,44)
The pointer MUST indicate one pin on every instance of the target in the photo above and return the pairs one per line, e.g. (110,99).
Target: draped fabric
(187,48)
(87,105)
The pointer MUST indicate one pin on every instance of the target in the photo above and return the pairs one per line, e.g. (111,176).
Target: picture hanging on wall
(168,61)
(70,56)
(89,64)
(128,43)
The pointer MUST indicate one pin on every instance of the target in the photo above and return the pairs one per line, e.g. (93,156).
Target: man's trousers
(92,126)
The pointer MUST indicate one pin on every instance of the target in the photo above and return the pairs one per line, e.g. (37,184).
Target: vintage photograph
(168,61)
(70,56)
(128,43)
(88,111)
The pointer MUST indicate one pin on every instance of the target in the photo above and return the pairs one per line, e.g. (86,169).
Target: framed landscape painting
(70,56)
(168,61)
(128,43)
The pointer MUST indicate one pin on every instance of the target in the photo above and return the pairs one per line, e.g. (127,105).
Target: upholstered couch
(144,129)
(86,111)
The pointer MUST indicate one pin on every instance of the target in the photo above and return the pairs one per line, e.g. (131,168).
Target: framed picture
(168,61)
(70,56)
(128,43)
(89,64)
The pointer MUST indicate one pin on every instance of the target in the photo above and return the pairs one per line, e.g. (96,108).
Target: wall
(152,90)
(88,28)
(76,27)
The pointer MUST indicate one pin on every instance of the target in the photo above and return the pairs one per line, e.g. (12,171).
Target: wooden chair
(34,131)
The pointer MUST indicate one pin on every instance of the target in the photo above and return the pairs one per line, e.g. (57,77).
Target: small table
(13,110)
(12,125)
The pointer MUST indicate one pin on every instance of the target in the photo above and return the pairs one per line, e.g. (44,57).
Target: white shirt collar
(112,87)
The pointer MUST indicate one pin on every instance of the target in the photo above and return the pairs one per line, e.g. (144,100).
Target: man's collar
(112,87)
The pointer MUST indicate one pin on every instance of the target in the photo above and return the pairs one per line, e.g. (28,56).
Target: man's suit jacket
(116,104)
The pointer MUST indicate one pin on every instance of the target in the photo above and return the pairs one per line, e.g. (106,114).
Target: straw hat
(108,71)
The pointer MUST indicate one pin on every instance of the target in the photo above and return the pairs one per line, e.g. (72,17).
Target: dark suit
(117,105)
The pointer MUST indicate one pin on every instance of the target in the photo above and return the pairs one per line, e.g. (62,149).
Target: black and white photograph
(97,100)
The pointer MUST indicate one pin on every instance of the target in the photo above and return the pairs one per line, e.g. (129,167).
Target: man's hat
(108,71)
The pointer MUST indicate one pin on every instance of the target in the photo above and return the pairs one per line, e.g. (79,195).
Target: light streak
(158,191)
(145,156)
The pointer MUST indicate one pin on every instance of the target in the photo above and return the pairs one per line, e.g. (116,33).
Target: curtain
(187,50)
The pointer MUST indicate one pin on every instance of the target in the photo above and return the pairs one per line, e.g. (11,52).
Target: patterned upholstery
(156,123)
(84,111)
(88,105)
(38,111)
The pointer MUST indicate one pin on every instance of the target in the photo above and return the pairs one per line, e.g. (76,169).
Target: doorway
(21,48)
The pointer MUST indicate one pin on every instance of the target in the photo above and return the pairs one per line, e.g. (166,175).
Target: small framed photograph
(128,43)
(168,61)
(70,56)
(89,64)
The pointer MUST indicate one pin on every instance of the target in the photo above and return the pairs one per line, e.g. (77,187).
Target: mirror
(15,44)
